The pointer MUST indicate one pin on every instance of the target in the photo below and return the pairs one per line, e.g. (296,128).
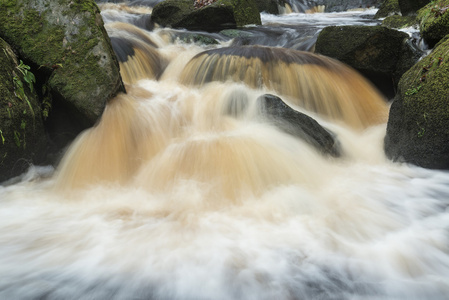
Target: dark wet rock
(410,54)
(434,22)
(298,124)
(22,135)
(387,8)
(270,6)
(410,7)
(418,125)
(222,14)
(374,51)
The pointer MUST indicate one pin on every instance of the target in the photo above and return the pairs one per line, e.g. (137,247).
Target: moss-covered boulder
(69,50)
(22,135)
(410,7)
(398,22)
(418,125)
(374,51)
(387,8)
(434,21)
(222,14)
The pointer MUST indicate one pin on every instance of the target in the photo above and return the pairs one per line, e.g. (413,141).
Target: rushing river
(169,197)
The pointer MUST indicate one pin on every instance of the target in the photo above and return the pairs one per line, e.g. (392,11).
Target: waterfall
(185,189)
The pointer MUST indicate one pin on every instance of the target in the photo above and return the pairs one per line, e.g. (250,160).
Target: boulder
(418,125)
(387,8)
(22,135)
(410,7)
(374,51)
(221,14)
(298,124)
(67,46)
(434,22)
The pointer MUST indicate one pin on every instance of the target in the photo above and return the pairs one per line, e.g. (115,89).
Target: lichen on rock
(66,43)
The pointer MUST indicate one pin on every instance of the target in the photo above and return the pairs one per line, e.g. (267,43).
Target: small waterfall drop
(315,83)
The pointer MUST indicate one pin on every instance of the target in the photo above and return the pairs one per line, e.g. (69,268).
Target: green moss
(388,7)
(9,3)
(245,11)
(30,31)
(21,129)
(397,21)
(434,21)
(428,106)
(84,6)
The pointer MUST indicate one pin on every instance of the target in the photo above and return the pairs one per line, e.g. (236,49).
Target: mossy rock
(387,8)
(418,125)
(66,43)
(410,7)
(397,21)
(434,21)
(374,51)
(222,14)
(22,135)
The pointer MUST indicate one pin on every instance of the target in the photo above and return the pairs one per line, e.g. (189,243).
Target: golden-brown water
(170,196)
(313,82)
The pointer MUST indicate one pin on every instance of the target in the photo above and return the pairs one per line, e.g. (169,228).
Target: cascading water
(174,195)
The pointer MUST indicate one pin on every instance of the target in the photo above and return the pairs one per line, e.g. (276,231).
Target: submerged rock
(70,52)
(344,5)
(418,125)
(22,136)
(374,51)
(198,38)
(298,124)
(221,14)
